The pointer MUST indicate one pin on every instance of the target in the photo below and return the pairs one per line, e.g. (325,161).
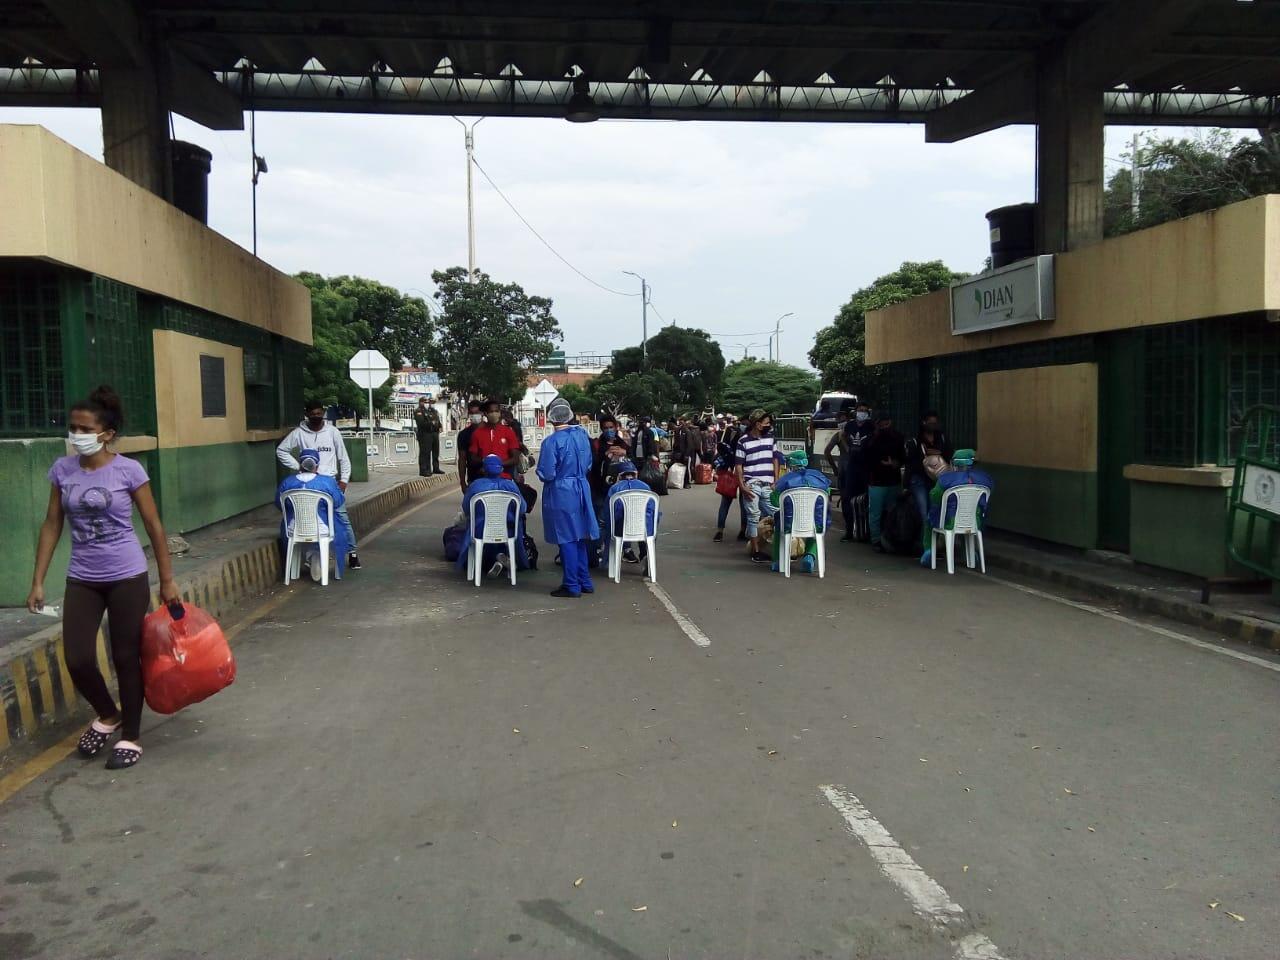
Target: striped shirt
(755,454)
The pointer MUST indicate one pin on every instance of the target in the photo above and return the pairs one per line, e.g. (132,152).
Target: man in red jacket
(495,437)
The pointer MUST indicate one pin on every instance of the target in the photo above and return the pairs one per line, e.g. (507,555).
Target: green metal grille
(1171,394)
(33,396)
(1253,379)
(118,350)
(209,326)
(293,357)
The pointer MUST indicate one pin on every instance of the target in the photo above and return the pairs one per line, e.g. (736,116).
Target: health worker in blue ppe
(961,473)
(494,558)
(307,478)
(629,479)
(567,516)
(799,474)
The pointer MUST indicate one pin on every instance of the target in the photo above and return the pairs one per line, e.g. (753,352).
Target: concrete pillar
(1069,157)
(135,126)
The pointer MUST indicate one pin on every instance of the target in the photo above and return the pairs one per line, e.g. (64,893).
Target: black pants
(428,454)
(125,602)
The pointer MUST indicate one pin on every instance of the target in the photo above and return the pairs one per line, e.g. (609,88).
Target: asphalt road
(886,763)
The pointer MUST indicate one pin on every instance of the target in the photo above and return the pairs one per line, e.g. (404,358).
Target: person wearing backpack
(928,454)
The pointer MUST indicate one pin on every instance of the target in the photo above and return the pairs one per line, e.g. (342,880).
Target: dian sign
(1019,293)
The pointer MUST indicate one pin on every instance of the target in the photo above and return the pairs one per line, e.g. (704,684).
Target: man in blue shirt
(798,475)
(495,555)
(962,473)
(308,479)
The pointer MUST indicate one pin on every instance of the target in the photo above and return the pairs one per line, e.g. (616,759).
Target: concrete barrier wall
(36,693)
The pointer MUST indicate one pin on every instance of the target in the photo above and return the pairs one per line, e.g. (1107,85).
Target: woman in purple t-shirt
(95,490)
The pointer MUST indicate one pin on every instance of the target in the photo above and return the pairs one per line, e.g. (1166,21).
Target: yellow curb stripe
(22,692)
(11,783)
(45,682)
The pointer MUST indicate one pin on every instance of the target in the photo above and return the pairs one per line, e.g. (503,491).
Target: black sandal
(94,739)
(126,754)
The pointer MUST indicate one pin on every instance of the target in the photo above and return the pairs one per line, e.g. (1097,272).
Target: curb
(36,692)
(1234,626)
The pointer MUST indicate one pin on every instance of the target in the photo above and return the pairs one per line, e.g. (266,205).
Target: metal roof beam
(1098,52)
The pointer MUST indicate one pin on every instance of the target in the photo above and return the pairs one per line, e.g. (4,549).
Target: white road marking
(1149,627)
(684,623)
(926,896)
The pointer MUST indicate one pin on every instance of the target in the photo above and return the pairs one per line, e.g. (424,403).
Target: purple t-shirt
(99,508)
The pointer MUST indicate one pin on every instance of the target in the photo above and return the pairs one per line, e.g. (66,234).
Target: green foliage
(397,325)
(839,350)
(337,334)
(655,392)
(776,387)
(576,397)
(687,354)
(489,334)
(1177,178)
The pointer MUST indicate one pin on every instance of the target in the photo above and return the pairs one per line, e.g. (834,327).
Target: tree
(576,397)
(687,354)
(336,336)
(489,334)
(654,393)
(1176,178)
(777,387)
(397,325)
(839,350)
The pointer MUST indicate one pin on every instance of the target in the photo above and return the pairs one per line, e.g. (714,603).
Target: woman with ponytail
(96,490)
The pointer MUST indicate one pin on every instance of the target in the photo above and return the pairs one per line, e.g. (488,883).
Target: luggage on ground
(185,658)
(675,475)
(861,519)
(651,474)
(703,474)
(900,531)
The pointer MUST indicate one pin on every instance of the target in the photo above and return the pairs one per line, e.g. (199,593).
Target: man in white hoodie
(317,433)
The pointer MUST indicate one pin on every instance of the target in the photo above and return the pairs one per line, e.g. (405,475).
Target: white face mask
(85,444)
(477,418)
(862,416)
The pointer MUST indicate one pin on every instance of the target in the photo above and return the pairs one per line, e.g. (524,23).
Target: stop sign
(369,369)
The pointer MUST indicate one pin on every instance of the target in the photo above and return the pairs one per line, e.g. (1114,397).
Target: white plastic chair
(307,528)
(497,504)
(635,528)
(967,498)
(807,520)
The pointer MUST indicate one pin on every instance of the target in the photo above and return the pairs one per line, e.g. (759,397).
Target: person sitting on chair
(961,473)
(494,557)
(308,479)
(629,479)
(799,474)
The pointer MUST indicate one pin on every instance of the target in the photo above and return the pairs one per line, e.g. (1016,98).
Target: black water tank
(191,165)
(1013,233)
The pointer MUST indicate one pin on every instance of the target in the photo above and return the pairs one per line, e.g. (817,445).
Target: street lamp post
(644,318)
(470,142)
(777,334)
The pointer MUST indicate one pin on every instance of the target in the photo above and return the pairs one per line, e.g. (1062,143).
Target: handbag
(727,483)
(935,465)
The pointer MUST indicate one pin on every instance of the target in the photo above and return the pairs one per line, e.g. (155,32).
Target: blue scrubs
(652,516)
(514,526)
(342,544)
(567,516)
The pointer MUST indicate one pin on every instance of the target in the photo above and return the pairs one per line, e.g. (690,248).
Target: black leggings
(125,602)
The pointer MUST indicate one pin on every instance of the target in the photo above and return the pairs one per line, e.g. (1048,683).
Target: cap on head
(492,465)
(559,411)
(964,458)
(311,457)
(797,460)
(626,466)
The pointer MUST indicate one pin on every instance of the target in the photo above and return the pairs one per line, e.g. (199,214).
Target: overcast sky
(733,224)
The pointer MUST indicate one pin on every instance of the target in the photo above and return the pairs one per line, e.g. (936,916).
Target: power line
(545,243)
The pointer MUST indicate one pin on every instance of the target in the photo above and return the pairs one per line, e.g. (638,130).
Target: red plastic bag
(727,483)
(185,658)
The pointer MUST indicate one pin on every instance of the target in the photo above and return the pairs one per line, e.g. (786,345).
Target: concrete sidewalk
(1250,616)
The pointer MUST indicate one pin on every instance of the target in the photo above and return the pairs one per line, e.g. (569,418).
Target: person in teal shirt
(799,474)
(962,472)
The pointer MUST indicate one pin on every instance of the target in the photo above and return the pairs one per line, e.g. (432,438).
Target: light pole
(470,140)
(644,318)
(777,333)
(748,346)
